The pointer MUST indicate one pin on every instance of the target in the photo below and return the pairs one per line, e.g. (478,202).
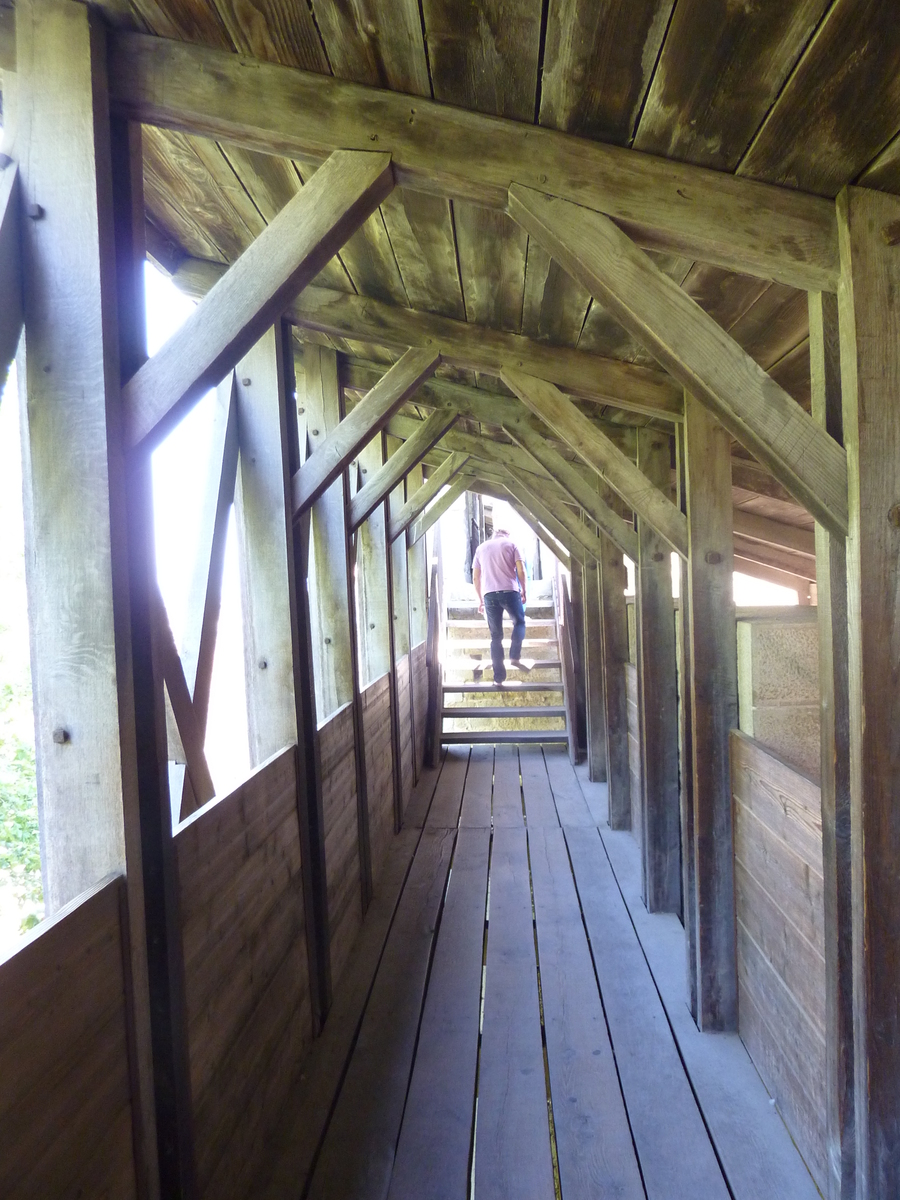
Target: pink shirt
(497,559)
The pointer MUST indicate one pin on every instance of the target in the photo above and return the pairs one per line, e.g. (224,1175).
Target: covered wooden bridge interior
(634,268)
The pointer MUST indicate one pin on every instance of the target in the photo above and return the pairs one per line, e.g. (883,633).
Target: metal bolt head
(658,556)
(712,557)
(262,664)
(894,516)
(61,736)
(372,626)
(328,641)
(315,432)
(35,211)
(301,411)
(246,382)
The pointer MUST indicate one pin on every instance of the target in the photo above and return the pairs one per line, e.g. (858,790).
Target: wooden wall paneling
(656,661)
(713,709)
(66,1095)
(277,658)
(756,410)
(635,772)
(380,762)
(614,621)
(594,674)
(99,715)
(10,266)
(870,374)
(337,757)
(831,578)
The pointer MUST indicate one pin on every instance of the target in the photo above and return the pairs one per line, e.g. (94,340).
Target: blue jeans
(495,603)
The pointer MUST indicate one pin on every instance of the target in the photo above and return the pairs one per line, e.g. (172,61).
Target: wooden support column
(713,673)
(373,613)
(661,840)
(834,685)
(614,617)
(577,577)
(280,700)
(399,626)
(593,675)
(869,306)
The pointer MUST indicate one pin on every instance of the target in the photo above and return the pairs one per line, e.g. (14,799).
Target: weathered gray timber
(422,496)
(713,674)
(615,655)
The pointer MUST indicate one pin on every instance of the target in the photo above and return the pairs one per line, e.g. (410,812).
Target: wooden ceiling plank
(748,402)
(779,557)
(735,223)
(773,325)
(197,23)
(596,449)
(11,312)
(421,231)
(774,533)
(726,296)
(254,291)
(378,43)
(422,496)
(369,417)
(839,108)
(399,464)
(747,566)
(555,305)
(274,31)
(792,373)
(598,60)
(492,251)
(705,108)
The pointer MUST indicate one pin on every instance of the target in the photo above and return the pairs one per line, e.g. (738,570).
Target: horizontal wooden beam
(775,533)
(561,415)
(779,557)
(10,267)
(399,464)
(422,496)
(775,233)
(369,417)
(478,448)
(344,315)
(232,317)
(579,489)
(436,510)
(694,348)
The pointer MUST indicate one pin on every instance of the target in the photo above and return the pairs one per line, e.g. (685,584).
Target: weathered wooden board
(337,771)
(540,811)
(512,1131)
(433,1153)
(567,795)
(448,795)
(507,801)
(378,743)
(476,804)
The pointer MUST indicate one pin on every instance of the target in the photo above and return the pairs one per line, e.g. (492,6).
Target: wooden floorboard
(436,1136)
(507,809)
(444,811)
(476,805)
(757,1154)
(512,1133)
(675,1153)
(420,799)
(568,796)
(593,1139)
(358,1152)
(539,807)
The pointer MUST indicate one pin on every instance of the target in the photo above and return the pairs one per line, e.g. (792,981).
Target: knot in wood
(890,233)
(894,516)
(713,557)
(657,556)
(245,382)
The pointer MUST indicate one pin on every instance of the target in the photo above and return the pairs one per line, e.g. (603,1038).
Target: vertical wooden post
(831,578)
(280,703)
(593,675)
(580,657)
(869,306)
(397,565)
(661,841)
(713,672)
(614,618)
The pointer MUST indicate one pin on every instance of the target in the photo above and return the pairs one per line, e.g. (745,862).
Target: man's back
(497,559)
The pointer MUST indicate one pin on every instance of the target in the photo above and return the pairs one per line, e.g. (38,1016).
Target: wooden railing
(434,670)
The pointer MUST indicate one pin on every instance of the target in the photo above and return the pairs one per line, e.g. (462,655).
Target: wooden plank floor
(523,1036)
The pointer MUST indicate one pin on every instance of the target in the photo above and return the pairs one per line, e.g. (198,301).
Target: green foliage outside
(20,856)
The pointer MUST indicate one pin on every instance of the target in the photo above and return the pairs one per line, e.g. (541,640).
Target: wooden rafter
(694,348)
(472,347)
(565,517)
(422,496)
(10,267)
(399,465)
(539,510)
(498,491)
(776,233)
(561,415)
(254,291)
(327,461)
(436,510)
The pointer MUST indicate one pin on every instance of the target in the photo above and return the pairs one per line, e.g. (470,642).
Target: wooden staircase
(530,705)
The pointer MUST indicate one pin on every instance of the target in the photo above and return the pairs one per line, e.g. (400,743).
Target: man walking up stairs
(498,572)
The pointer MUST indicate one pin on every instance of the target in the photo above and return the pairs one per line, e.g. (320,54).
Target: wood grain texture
(338,772)
(658,692)
(754,409)
(713,709)
(601,453)
(615,655)
(65,1095)
(870,334)
(329,459)
(731,222)
(237,310)
(380,44)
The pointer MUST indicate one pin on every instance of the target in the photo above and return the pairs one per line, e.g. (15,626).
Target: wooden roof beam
(238,309)
(436,510)
(472,347)
(764,230)
(578,532)
(596,449)
(422,496)
(497,491)
(10,267)
(535,505)
(369,417)
(694,349)
(399,464)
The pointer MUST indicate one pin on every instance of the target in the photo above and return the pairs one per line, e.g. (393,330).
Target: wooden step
(505,710)
(515,686)
(484,664)
(469,737)
(469,643)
